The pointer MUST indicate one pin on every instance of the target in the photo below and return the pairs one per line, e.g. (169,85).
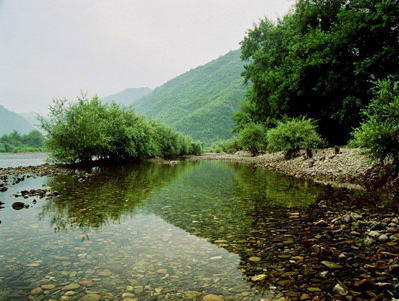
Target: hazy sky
(57,48)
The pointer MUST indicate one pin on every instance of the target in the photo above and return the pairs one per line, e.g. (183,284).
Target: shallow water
(22,159)
(160,232)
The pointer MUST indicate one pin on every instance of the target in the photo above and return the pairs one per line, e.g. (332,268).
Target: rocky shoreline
(346,167)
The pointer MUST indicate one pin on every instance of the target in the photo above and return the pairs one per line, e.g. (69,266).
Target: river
(175,232)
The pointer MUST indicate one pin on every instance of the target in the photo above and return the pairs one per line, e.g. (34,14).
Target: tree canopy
(89,129)
(319,61)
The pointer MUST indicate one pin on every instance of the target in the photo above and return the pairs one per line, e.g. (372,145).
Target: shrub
(253,138)
(292,135)
(16,142)
(230,146)
(378,135)
(88,130)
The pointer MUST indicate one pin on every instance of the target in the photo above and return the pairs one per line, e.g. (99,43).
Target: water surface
(22,159)
(161,232)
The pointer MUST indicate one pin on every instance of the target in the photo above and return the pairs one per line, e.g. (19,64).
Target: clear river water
(165,232)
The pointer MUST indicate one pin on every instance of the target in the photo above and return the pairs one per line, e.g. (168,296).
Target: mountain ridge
(11,121)
(200,102)
(128,96)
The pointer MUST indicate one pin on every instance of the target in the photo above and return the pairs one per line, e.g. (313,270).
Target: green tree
(15,142)
(292,135)
(88,130)
(253,138)
(319,61)
(378,135)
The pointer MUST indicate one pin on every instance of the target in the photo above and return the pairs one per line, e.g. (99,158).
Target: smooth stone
(90,297)
(162,271)
(395,237)
(314,289)
(18,205)
(191,294)
(373,234)
(48,286)
(259,277)
(127,295)
(383,237)
(70,293)
(105,273)
(255,258)
(129,299)
(86,282)
(72,286)
(36,291)
(331,265)
(65,298)
(213,298)
(130,288)
(340,290)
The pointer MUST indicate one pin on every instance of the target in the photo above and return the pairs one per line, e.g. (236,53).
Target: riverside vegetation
(15,142)
(326,74)
(88,130)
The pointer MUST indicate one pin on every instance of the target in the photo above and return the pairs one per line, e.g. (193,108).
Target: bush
(230,146)
(89,130)
(253,138)
(378,135)
(292,135)
(15,142)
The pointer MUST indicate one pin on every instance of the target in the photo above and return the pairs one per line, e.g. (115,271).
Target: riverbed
(203,230)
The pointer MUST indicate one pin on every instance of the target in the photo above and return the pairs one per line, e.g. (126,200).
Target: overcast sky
(57,48)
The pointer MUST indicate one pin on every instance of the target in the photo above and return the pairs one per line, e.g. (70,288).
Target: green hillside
(128,96)
(200,102)
(10,121)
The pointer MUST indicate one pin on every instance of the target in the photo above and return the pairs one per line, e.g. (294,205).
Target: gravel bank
(348,167)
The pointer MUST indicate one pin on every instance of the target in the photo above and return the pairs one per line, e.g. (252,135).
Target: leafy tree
(378,135)
(88,130)
(253,138)
(15,142)
(292,135)
(231,145)
(319,61)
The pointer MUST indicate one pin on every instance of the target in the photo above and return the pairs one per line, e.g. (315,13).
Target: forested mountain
(10,121)
(200,102)
(128,96)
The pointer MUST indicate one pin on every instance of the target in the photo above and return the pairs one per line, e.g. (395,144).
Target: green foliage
(292,135)
(378,135)
(230,146)
(15,142)
(88,130)
(201,102)
(253,138)
(319,62)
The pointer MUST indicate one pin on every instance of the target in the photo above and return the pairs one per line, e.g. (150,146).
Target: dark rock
(18,205)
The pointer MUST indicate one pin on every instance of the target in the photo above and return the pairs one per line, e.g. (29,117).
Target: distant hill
(201,101)
(128,96)
(31,118)
(10,121)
